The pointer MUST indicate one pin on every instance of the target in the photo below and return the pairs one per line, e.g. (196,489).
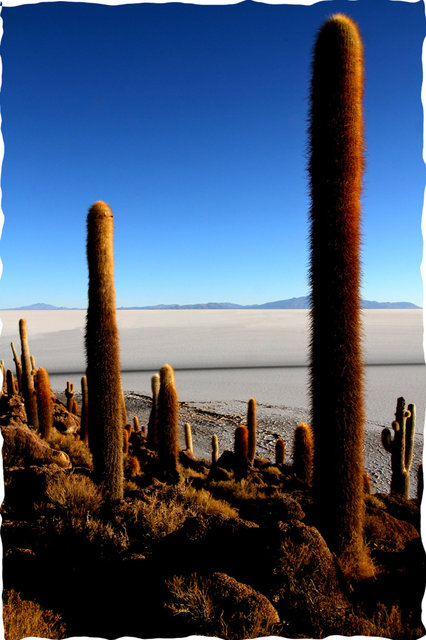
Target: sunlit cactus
(168,414)
(336,367)
(251,426)
(215,449)
(153,418)
(279,451)
(103,359)
(18,366)
(27,377)
(136,426)
(11,384)
(188,438)
(401,447)
(303,453)
(44,403)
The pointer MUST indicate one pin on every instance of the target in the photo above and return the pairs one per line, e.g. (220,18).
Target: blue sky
(191,122)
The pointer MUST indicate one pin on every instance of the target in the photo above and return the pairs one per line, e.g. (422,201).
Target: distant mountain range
(292,303)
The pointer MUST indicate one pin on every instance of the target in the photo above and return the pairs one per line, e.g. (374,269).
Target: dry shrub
(388,623)
(77,495)
(192,600)
(24,618)
(241,491)
(166,510)
(77,450)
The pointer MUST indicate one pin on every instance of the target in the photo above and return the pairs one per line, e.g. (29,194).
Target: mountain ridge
(302,302)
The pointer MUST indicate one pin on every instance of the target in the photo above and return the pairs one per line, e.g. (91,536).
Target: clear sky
(191,122)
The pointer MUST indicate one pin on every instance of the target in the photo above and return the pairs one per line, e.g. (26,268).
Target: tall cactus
(27,377)
(84,422)
(103,359)
(303,453)
(401,447)
(168,414)
(336,369)
(153,417)
(18,366)
(252,427)
(44,403)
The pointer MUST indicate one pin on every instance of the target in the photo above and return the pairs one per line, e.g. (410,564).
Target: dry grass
(192,601)
(24,618)
(77,450)
(241,491)
(77,495)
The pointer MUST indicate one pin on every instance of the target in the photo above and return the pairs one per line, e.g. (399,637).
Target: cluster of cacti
(102,352)
(336,367)
(401,447)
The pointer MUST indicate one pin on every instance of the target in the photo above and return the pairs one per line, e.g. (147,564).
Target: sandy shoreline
(221,418)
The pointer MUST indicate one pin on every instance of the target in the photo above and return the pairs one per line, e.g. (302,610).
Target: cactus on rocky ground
(153,418)
(11,384)
(27,377)
(241,442)
(336,366)
(401,447)
(103,358)
(251,426)
(168,414)
(18,366)
(84,422)
(215,449)
(188,438)
(44,403)
(279,451)
(69,394)
(136,426)
(303,453)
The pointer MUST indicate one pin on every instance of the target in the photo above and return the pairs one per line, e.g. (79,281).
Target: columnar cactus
(84,422)
(33,365)
(168,414)
(153,418)
(3,385)
(12,386)
(103,358)
(336,367)
(251,426)
(188,438)
(401,447)
(69,393)
(241,442)
(279,451)
(420,482)
(303,453)
(27,377)
(18,366)
(215,449)
(44,403)
(136,426)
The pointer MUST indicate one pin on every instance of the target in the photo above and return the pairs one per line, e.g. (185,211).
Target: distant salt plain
(231,355)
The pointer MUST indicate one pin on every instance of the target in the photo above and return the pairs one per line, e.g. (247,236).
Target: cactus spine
(401,447)
(27,377)
(103,359)
(251,426)
(153,417)
(18,366)
(168,414)
(215,449)
(279,451)
(84,422)
(303,453)
(44,403)
(188,438)
(336,369)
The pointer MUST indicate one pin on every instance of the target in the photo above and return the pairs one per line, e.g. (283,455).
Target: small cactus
(136,426)
(27,377)
(126,435)
(251,426)
(12,387)
(44,403)
(18,366)
(401,447)
(69,393)
(303,453)
(33,365)
(3,385)
(215,449)
(279,451)
(168,413)
(188,438)
(241,442)
(153,418)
